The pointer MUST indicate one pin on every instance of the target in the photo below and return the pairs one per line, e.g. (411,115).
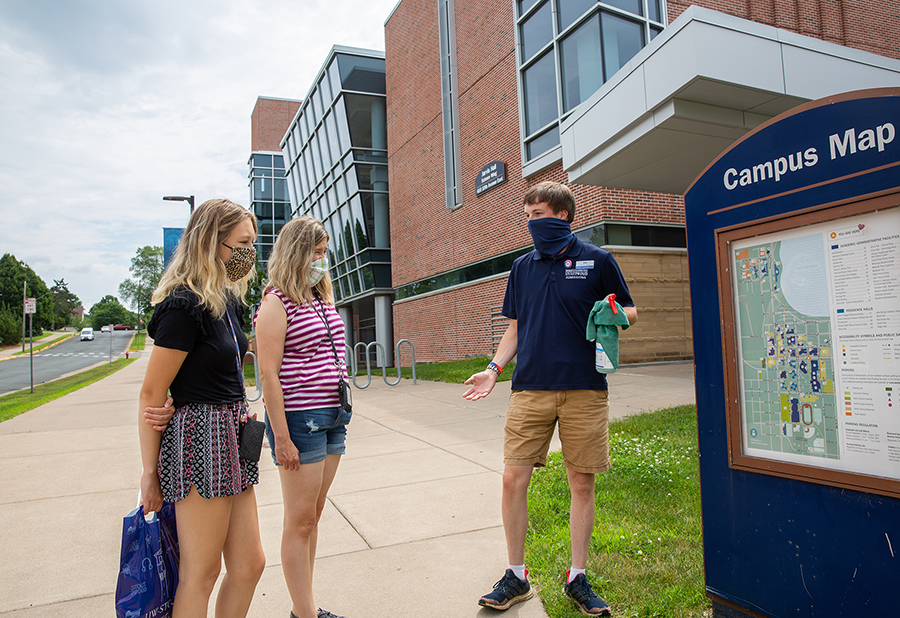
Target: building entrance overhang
(699,86)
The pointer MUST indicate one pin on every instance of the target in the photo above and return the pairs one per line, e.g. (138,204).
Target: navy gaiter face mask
(550,235)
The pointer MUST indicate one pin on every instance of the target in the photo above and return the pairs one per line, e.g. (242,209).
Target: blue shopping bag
(148,570)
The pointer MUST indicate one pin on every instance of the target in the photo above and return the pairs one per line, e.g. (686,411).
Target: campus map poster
(817,315)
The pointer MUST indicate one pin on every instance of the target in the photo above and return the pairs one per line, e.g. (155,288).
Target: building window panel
(334,138)
(539,83)
(571,10)
(553,86)
(542,143)
(536,31)
(362,74)
(622,39)
(582,68)
(635,7)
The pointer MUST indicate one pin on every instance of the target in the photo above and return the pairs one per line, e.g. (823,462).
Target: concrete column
(346,313)
(384,328)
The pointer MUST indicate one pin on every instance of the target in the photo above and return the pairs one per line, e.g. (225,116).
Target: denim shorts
(315,433)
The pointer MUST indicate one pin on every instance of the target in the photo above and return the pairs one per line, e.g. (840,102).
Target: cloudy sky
(106,106)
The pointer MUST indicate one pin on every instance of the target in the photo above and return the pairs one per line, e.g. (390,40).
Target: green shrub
(10,327)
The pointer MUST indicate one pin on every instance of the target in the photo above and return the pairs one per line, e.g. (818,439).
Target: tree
(64,302)
(146,270)
(253,297)
(13,274)
(109,311)
(10,326)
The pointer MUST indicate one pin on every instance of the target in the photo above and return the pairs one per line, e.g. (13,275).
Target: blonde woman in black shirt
(194,462)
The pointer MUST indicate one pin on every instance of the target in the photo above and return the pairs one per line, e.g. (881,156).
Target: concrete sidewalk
(416,502)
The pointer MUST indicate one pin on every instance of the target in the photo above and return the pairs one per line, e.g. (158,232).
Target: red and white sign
(30,305)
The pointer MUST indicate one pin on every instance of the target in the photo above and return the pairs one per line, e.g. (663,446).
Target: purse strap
(337,363)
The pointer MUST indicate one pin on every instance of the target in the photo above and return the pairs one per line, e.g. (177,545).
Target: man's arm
(483,383)
(631,314)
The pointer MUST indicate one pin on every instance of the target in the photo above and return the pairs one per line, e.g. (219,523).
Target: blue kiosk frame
(794,534)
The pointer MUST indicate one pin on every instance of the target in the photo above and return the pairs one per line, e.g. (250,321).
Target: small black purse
(344,395)
(251,431)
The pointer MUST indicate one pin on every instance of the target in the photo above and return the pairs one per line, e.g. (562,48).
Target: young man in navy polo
(549,295)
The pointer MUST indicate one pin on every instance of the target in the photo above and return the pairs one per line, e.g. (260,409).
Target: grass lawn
(137,342)
(39,347)
(21,401)
(646,552)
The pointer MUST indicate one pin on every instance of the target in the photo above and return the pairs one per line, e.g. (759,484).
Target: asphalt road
(72,355)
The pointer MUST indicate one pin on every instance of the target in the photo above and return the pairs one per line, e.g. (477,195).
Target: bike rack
(378,347)
(354,365)
(256,377)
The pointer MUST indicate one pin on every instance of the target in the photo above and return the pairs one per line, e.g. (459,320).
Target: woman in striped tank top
(299,372)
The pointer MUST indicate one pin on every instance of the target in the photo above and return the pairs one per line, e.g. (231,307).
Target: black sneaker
(585,598)
(324,613)
(507,592)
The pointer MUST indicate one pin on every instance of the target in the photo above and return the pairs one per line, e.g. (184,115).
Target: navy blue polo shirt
(551,301)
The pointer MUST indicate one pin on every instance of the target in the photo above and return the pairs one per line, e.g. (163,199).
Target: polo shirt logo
(576,273)
(568,263)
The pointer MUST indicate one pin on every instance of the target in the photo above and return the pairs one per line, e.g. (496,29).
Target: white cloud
(108,106)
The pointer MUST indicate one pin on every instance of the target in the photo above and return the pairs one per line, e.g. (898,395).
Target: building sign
(490,176)
(30,305)
(171,236)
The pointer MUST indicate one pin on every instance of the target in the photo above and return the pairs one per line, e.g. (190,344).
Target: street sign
(30,305)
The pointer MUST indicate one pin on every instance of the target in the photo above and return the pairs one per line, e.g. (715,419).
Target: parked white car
(104,328)
(87,334)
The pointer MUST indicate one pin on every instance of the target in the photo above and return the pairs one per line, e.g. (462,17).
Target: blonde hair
(291,258)
(196,265)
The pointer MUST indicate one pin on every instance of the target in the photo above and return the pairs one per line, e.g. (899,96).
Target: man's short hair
(557,196)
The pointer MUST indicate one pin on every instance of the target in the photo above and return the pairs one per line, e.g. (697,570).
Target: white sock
(573,573)
(519,570)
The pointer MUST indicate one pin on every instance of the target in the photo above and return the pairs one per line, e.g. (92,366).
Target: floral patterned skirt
(200,448)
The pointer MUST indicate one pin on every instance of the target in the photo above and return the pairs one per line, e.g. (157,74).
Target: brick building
(626,102)
(269,199)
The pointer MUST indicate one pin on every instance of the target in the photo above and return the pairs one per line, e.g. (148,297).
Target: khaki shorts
(583,418)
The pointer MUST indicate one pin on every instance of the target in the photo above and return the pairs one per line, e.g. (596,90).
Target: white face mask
(317,270)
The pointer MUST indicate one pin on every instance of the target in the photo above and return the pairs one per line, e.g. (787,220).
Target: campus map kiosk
(794,250)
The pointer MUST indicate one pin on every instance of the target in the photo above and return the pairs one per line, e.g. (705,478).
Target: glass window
(281,191)
(632,6)
(333,138)
(301,122)
(524,5)
(326,150)
(362,74)
(539,83)
(341,185)
(316,157)
(340,118)
(582,69)
(536,31)
(316,108)
(279,161)
(262,160)
(334,77)
(359,224)
(382,275)
(362,112)
(542,143)
(622,39)
(325,89)
(571,10)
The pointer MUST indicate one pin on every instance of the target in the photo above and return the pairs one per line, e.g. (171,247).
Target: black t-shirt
(209,373)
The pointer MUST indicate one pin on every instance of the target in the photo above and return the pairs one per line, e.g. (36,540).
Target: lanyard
(237,354)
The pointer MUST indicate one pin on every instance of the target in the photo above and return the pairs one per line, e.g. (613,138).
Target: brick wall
(270,121)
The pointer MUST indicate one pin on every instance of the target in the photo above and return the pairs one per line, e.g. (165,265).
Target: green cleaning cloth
(601,326)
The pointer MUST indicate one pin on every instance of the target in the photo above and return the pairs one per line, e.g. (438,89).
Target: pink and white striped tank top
(308,376)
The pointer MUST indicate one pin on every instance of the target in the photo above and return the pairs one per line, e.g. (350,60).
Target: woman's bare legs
(304,493)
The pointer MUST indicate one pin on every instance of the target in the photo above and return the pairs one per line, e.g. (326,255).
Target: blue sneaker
(507,592)
(584,596)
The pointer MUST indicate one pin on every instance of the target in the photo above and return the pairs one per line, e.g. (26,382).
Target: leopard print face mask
(242,261)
